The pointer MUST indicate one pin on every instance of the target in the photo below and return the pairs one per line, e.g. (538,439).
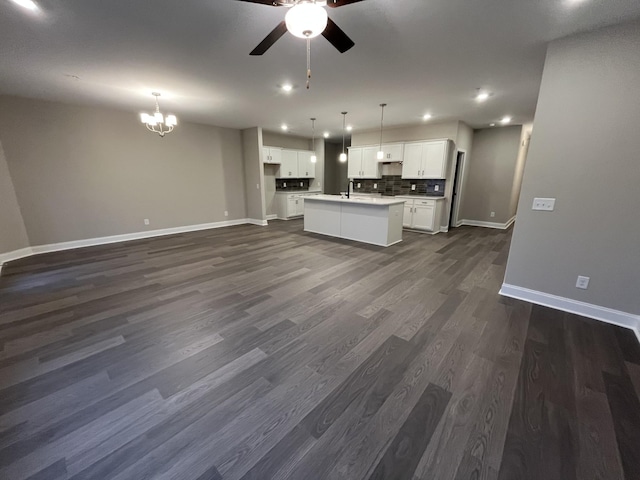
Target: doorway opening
(457,187)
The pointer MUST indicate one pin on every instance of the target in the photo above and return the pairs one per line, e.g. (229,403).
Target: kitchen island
(373,220)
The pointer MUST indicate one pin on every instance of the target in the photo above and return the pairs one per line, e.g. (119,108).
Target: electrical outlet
(284,184)
(436,188)
(301,184)
(146,221)
(375,185)
(544,204)
(413,187)
(358,185)
(582,282)
(226,214)
(493,214)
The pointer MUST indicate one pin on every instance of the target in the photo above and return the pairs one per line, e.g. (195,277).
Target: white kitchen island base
(377,221)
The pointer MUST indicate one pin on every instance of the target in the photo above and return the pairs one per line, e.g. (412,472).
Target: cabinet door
(434,162)
(354,166)
(265,155)
(423,217)
(275,154)
(289,164)
(408,212)
(300,205)
(306,169)
(412,161)
(370,165)
(291,206)
(393,152)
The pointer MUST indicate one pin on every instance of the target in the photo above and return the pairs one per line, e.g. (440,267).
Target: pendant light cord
(382,105)
(308,63)
(344,126)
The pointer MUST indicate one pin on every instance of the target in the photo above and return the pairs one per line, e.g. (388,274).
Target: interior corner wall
(490,175)
(82,173)
(292,142)
(13,234)
(254,174)
(523,151)
(584,153)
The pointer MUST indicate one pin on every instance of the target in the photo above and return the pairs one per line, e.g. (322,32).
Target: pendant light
(343,155)
(314,158)
(380,155)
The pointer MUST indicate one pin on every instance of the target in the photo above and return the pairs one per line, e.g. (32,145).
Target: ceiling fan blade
(273,3)
(337,37)
(340,3)
(270,39)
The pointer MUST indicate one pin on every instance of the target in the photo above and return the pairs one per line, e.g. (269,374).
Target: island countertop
(380,201)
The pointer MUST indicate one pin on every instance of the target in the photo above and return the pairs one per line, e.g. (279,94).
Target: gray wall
(489,183)
(335,177)
(408,133)
(13,234)
(273,139)
(82,172)
(584,152)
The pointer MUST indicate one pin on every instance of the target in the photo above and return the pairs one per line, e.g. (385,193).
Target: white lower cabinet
(422,214)
(290,205)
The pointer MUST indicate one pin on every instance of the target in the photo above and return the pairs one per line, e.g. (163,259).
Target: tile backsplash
(292,184)
(396,185)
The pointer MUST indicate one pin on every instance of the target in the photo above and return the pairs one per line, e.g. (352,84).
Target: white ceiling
(416,55)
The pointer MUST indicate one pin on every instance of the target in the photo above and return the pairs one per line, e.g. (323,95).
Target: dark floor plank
(625,411)
(402,457)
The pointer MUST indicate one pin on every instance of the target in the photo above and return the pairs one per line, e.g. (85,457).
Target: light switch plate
(413,187)
(544,204)
(582,282)
(436,188)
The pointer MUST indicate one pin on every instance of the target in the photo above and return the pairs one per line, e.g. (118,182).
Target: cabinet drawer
(431,203)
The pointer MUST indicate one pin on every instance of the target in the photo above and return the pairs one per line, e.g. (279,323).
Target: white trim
(604,314)
(90,242)
(456,213)
(253,221)
(476,223)
(273,216)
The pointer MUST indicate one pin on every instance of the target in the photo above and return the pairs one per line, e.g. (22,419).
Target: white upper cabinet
(271,155)
(354,166)
(289,164)
(363,163)
(306,169)
(425,159)
(434,160)
(392,152)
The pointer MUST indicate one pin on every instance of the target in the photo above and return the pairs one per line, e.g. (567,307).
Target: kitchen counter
(373,220)
(362,200)
(421,197)
(299,192)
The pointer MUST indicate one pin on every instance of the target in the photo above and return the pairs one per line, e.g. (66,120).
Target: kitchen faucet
(350,186)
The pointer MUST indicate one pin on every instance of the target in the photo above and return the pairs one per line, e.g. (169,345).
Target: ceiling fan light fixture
(306,20)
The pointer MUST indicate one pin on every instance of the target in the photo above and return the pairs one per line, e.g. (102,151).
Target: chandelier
(157,122)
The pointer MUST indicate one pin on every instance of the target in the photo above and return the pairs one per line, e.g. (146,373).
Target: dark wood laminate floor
(268,353)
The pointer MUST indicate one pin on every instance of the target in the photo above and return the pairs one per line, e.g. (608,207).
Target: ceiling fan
(306,19)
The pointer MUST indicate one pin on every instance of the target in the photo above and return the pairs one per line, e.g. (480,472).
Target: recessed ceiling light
(349,128)
(28,4)
(482,96)
(327,134)
(505,120)
(287,87)
(492,124)
(427,116)
(284,127)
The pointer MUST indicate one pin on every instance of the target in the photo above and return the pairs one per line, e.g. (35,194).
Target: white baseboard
(90,242)
(254,221)
(476,223)
(604,314)
(273,216)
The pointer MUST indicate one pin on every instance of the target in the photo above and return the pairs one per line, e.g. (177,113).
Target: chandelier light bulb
(306,20)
